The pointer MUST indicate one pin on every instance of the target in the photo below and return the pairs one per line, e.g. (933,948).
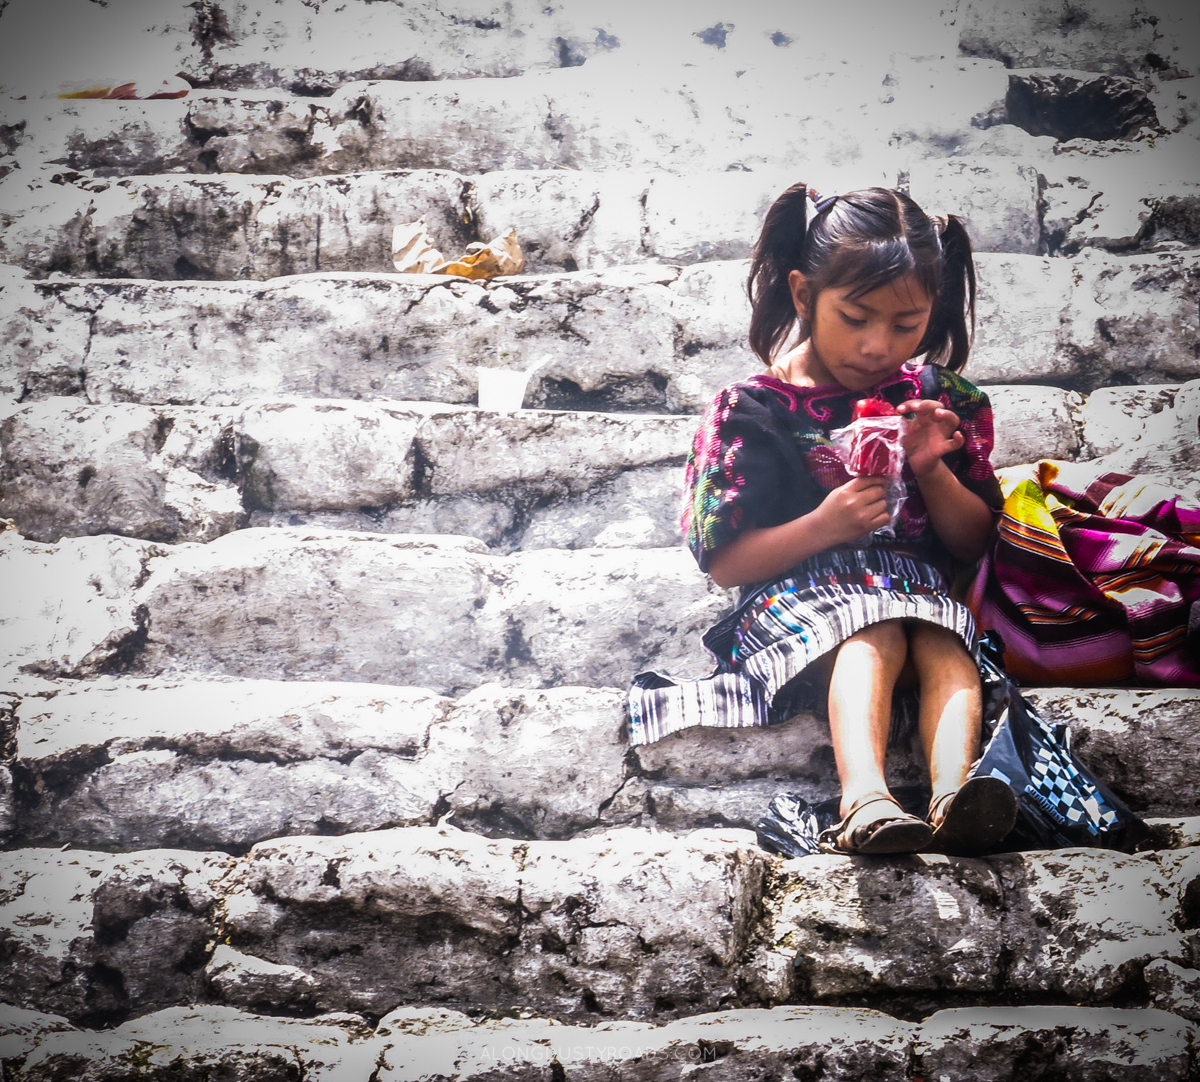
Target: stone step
(134,763)
(616,115)
(228,227)
(313,50)
(522,480)
(628,924)
(713,116)
(1078,323)
(982,1044)
(429,611)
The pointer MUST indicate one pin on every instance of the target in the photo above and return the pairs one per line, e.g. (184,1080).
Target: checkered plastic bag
(1059,801)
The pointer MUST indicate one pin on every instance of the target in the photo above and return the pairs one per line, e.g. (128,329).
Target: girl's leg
(951,705)
(860,707)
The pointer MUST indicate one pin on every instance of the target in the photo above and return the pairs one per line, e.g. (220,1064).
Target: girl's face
(858,342)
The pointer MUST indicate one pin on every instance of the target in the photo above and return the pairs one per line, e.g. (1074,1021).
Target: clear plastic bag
(872,445)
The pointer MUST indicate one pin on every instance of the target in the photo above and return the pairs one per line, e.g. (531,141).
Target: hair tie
(820,202)
(940,221)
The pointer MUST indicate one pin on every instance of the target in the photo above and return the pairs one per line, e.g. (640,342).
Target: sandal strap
(841,836)
(939,806)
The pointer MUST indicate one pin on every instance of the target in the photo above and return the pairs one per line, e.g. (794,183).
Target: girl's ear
(801,294)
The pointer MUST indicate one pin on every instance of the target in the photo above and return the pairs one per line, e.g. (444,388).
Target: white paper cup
(501,390)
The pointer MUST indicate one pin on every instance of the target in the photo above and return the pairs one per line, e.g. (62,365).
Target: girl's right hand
(852,510)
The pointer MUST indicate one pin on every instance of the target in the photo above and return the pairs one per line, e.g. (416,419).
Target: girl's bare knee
(931,645)
(886,632)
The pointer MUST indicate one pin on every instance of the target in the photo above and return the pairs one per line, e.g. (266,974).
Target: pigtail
(777,252)
(952,323)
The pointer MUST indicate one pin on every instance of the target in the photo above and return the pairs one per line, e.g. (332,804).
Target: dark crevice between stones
(644,394)
(493,821)
(107,1001)
(1068,105)
(129,647)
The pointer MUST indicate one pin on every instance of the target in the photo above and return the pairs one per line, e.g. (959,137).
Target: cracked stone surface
(181,474)
(572,927)
(71,609)
(1076,923)
(129,764)
(70,469)
(1165,447)
(375,610)
(190,227)
(998,200)
(1091,36)
(418,337)
(1174,988)
(196,1041)
(1112,416)
(1083,924)
(998,1044)
(594,117)
(92,935)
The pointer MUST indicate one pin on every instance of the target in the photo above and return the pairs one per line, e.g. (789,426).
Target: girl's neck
(802,368)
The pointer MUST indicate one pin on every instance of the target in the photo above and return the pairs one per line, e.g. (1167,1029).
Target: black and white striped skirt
(782,628)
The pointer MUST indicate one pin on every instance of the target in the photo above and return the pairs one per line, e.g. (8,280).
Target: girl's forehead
(901,295)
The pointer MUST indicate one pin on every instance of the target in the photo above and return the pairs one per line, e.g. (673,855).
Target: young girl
(842,303)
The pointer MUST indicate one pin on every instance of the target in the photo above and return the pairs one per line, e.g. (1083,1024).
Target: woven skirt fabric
(783,627)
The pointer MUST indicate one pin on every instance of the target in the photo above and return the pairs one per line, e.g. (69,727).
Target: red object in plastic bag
(873,407)
(875,449)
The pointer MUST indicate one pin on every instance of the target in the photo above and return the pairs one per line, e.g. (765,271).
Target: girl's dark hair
(865,239)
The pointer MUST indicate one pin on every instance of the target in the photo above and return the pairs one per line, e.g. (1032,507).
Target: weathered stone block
(996,1044)
(1174,988)
(1132,319)
(571,219)
(1093,36)
(70,469)
(865,927)
(1165,448)
(1084,923)
(90,935)
(222,227)
(224,765)
(195,1041)
(997,199)
(1112,417)
(847,1043)
(287,604)
(69,607)
(574,927)
(1022,302)
(1034,423)
(313,457)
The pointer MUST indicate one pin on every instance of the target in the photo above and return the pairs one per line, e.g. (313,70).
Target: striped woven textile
(1092,578)
(781,628)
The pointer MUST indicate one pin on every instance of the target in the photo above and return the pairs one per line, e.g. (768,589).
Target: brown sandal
(893,832)
(973,818)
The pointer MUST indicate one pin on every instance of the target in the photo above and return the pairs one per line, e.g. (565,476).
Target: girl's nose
(874,342)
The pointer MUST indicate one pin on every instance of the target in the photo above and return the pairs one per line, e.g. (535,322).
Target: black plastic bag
(791,825)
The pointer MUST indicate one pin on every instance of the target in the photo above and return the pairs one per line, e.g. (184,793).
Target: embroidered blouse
(763,456)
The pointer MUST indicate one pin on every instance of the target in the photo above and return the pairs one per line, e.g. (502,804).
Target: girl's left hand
(930,432)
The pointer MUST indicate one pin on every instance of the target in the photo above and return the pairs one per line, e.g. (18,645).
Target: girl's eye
(852,321)
(906,330)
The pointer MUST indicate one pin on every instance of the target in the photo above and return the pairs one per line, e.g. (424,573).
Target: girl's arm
(848,512)
(959,517)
